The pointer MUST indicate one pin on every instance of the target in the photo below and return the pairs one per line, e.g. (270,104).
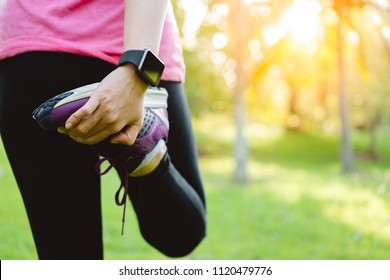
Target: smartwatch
(149,66)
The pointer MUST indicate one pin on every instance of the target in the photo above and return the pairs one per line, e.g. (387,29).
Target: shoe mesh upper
(42,113)
(149,118)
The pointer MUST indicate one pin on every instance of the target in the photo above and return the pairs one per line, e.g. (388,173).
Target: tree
(238,22)
(241,145)
(233,53)
(343,8)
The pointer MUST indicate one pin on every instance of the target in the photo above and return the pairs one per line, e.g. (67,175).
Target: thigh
(55,175)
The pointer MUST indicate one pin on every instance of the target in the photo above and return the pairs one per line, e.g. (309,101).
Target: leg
(169,202)
(55,175)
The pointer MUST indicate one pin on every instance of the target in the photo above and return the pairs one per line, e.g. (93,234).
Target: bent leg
(170,202)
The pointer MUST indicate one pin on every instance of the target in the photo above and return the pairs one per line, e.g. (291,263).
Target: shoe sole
(155,97)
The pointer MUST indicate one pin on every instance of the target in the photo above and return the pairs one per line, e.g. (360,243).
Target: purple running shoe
(126,159)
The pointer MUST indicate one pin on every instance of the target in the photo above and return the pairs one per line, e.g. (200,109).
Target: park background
(290,102)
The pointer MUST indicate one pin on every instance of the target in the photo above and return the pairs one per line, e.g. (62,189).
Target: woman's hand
(115,109)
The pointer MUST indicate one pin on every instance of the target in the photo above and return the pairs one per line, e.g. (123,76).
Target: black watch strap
(134,57)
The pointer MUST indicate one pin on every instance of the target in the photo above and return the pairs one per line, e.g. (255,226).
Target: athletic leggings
(57,178)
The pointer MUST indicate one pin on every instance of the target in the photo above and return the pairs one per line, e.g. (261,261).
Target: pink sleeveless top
(86,27)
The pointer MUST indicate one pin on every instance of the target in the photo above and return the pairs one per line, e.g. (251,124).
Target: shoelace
(122,167)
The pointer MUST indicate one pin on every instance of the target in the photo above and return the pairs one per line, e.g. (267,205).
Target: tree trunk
(241,146)
(372,144)
(346,149)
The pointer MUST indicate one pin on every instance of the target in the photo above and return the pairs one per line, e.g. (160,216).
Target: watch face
(151,68)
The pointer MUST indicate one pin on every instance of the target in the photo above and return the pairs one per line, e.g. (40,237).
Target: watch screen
(152,68)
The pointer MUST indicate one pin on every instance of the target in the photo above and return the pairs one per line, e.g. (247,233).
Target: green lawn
(297,205)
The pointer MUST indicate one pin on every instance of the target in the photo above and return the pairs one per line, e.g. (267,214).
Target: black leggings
(57,178)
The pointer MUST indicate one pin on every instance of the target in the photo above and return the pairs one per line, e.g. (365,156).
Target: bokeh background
(290,102)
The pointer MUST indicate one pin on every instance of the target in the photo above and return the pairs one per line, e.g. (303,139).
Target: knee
(177,244)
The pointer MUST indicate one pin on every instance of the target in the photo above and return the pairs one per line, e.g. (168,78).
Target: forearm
(143,24)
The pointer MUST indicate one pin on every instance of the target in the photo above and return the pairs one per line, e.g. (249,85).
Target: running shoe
(126,159)
(54,112)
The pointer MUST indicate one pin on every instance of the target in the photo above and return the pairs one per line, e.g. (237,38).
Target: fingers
(97,134)
(126,136)
(93,122)
(85,111)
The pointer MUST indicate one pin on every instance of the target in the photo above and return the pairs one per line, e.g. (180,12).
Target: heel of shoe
(156,98)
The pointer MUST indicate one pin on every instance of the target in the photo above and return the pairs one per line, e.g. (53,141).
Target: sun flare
(301,21)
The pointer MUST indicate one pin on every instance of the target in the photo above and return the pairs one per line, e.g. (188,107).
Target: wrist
(131,71)
(130,83)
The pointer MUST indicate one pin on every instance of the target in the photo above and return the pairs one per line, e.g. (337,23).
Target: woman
(48,47)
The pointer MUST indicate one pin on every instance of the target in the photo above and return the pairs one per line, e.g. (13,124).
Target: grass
(296,205)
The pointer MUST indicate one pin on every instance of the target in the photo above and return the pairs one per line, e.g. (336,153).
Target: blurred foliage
(303,74)
(291,78)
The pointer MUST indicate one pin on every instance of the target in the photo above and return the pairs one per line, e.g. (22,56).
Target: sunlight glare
(263,11)
(272,34)
(376,19)
(218,57)
(386,32)
(219,40)
(255,48)
(250,2)
(302,19)
(353,38)
(195,14)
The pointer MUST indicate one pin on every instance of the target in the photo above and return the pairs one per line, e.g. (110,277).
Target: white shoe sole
(155,97)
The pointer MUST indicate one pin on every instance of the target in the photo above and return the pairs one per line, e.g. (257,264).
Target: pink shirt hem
(41,27)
